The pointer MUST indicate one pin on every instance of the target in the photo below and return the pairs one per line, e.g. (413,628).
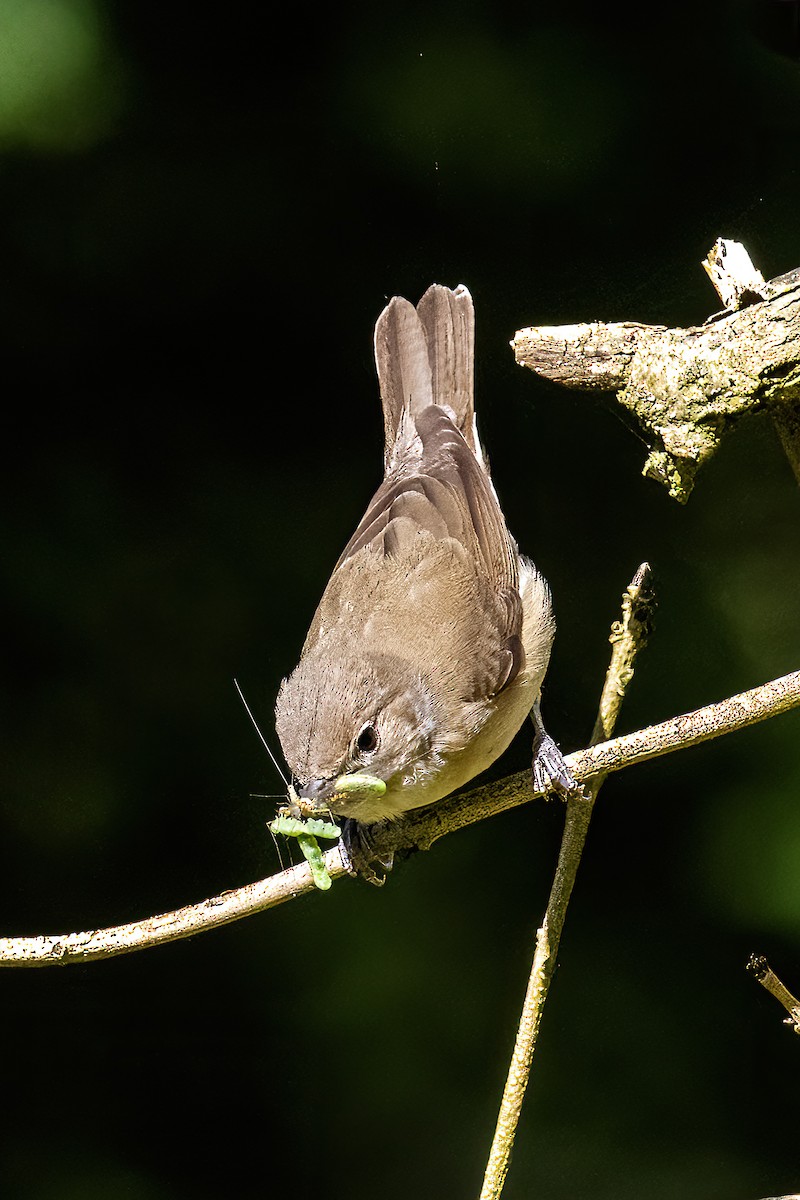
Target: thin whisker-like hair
(264,741)
(276,844)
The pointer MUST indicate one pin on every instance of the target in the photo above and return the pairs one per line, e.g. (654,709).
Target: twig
(418,831)
(688,387)
(736,280)
(628,637)
(760,968)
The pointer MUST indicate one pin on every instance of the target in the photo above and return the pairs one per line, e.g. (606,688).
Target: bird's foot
(359,850)
(549,770)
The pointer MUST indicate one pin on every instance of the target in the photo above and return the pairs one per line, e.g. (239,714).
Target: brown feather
(448,319)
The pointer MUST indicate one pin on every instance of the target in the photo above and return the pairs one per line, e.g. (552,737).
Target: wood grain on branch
(686,387)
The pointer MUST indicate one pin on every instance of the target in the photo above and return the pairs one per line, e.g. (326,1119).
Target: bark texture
(686,387)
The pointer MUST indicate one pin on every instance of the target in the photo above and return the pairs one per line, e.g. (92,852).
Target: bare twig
(736,280)
(628,637)
(418,831)
(759,967)
(688,387)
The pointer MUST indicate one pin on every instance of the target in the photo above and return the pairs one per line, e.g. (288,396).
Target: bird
(431,641)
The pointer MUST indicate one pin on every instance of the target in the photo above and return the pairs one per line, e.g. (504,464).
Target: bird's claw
(551,775)
(360,854)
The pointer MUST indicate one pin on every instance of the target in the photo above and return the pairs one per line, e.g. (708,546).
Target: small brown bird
(430,643)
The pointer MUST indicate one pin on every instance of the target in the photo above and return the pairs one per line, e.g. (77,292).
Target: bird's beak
(323,793)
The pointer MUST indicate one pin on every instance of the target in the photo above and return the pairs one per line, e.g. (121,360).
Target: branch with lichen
(417,831)
(687,388)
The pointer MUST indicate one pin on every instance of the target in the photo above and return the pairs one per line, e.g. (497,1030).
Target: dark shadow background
(202,211)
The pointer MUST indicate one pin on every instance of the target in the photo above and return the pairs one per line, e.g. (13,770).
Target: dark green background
(197,231)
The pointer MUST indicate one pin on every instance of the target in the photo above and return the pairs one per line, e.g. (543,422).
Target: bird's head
(359,733)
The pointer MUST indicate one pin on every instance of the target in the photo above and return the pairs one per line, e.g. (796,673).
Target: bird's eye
(367,740)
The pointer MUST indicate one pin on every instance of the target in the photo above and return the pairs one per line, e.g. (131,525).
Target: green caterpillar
(292,827)
(359,783)
(307,833)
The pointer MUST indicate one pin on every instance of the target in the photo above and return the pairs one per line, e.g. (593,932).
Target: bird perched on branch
(430,643)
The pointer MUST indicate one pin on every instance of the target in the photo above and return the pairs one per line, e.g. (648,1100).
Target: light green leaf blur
(60,79)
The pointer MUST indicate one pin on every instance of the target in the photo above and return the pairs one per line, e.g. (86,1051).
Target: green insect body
(307,833)
(313,856)
(322,829)
(287,826)
(359,783)
(307,829)
(292,827)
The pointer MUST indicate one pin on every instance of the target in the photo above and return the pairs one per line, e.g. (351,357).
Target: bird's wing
(444,496)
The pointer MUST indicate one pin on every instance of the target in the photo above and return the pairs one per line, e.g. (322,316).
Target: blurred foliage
(200,218)
(60,76)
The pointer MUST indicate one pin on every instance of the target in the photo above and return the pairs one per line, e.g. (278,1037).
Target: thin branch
(628,637)
(688,387)
(418,831)
(760,968)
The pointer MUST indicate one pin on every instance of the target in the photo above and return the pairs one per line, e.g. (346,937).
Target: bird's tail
(426,355)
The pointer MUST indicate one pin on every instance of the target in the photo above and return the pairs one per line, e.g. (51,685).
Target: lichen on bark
(687,387)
